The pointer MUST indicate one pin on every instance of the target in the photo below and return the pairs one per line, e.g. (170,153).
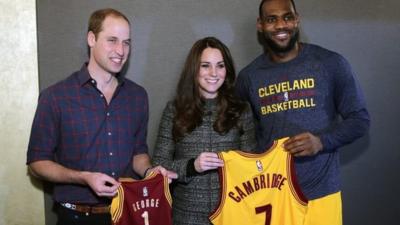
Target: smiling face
(279,26)
(212,72)
(109,49)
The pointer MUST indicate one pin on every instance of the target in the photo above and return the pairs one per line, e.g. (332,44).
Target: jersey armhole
(167,192)
(293,183)
(222,182)
(117,205)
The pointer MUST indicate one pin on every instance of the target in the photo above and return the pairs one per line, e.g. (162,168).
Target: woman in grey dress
(204,118)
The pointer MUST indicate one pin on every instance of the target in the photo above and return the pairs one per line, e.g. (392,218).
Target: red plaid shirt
(75,127)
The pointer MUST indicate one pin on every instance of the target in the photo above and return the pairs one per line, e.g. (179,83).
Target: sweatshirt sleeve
(350,105)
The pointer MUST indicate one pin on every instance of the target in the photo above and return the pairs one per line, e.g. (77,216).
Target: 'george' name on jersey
(145,203)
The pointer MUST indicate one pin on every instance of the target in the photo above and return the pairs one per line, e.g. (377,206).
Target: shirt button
(108,114)
(113,173)
(110,153)
(109,133)
(93,81)
(101,96)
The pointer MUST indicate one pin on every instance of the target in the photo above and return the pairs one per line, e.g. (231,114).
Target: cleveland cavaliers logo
(145,192)
(259,165)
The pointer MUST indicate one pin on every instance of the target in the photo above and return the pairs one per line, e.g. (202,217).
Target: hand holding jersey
(207,161)
(102,184)
(304,144)
(166,173)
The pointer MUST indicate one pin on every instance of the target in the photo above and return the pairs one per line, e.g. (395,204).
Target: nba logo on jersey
(145,192)
(259,165)
(286,96)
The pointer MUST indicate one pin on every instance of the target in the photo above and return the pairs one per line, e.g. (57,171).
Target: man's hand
(304,144)
(207,161)
(101,184)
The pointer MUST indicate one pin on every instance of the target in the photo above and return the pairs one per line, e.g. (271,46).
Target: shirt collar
(84,76)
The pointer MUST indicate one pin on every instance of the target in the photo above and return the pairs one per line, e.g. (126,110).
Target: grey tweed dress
(195,198)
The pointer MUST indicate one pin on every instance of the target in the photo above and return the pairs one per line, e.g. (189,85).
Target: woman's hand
(207,161)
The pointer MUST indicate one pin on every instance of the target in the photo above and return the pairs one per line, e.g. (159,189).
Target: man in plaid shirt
(90,129)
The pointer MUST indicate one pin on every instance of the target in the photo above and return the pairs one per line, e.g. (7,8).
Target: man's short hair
(97,18)
(260,11)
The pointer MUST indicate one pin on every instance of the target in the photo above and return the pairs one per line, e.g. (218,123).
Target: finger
(295,150)
(214,160)
(218,163)
(165,172)
(305,152)
(299,154)
(106,194)
(109,181)
(212,165)
(206,168)
(159,169)
(291,146)
(209,155)
(298,137)
(108,189)
(172,175)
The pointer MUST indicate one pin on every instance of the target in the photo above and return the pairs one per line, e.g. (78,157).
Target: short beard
(277,49)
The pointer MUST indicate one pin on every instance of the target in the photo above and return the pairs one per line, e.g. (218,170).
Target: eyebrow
(210,62)
(115,37)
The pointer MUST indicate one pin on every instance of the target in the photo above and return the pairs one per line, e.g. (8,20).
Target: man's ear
(297,18)
(259,25)
(91,39)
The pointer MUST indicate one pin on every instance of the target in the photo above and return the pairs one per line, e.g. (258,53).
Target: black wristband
(190,170)
(145,172)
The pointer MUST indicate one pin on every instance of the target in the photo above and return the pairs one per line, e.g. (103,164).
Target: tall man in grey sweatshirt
(310,94)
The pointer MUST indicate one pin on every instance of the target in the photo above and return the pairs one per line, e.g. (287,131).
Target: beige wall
(21,201)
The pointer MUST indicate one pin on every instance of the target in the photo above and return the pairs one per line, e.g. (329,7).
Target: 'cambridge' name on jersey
(142,202)
(259,189)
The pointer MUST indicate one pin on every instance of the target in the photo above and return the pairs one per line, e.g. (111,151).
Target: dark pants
(71,217)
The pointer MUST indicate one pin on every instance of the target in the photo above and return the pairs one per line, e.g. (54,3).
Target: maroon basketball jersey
(142,202)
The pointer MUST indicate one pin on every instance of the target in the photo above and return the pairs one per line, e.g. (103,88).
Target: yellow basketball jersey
(259,189)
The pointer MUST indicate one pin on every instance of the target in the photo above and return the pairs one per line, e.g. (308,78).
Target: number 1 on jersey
(145,216)
(268,212)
